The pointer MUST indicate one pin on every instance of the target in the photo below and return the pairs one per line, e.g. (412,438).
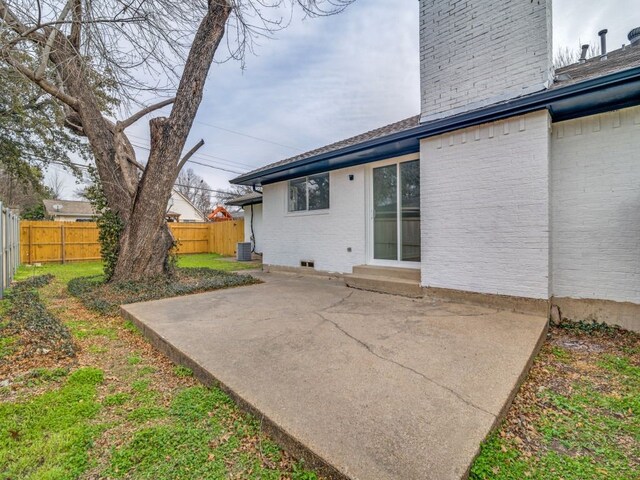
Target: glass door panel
(410,211)
(385,213)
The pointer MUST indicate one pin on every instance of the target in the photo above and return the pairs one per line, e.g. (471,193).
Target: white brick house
(516,185)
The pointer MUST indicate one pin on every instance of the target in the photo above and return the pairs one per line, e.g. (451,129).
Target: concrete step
(376,283)
(388,272)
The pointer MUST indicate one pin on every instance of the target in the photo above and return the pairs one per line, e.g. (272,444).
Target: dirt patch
(570,366)
(579,345)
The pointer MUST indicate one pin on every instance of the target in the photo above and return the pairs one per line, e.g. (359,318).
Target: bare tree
(224,195)
(193,186)
(74,49)
(21,194)
(55,185)
(568,56)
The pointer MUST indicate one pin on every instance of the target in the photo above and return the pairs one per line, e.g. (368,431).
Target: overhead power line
(254,137)
(217,168)
(249,136)
(196,162)
(231,163)
(85,167)
(203,188)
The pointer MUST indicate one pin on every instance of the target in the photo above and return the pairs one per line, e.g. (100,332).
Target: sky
(325,79)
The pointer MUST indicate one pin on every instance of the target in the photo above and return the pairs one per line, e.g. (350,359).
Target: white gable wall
(485,208)
(595,183)
(187,211)
(320,236)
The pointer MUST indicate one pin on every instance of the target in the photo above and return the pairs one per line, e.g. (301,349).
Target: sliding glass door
(396,212)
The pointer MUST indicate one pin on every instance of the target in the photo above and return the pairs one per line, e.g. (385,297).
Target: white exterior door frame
(369,212)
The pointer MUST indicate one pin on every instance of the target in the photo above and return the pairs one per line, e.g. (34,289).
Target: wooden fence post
(62,242)
(30,245)
(211,243)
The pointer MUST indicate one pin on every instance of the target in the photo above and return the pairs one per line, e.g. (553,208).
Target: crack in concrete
(339,302)
(401,365)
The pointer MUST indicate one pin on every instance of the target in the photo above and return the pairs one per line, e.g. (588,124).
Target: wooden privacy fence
(43,242)
(9,246)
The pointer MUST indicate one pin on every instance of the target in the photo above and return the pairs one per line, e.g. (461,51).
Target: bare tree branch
(76,26)
(44,84)
(44,62)
(9,18)
(189,154)
(120,126)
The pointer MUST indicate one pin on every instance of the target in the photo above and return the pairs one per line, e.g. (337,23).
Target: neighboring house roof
(251,198)
(68,208)
(78,208)
(581,89)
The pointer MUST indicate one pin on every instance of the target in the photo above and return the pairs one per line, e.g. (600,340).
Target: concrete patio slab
(362,385)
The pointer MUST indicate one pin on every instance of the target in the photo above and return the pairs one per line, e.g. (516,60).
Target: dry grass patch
(577,416)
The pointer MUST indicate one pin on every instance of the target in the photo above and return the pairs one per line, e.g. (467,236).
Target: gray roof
(71,208)
(250,198)
(396,127)
(617,60)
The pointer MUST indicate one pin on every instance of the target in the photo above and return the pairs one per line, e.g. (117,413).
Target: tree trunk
(146,241)
(141,200)
(143,252)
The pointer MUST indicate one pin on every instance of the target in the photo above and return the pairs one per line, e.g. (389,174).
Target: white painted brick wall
(485,208)
(474,53)
(595,192)
(256,212)
(319,236)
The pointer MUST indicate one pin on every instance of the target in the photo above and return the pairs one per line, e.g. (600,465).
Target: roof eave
(245,203)
(616,90)
(71,214)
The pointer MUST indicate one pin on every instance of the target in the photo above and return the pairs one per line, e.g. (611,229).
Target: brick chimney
(475,53)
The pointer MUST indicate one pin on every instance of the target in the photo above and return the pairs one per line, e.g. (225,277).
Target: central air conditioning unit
(244,251)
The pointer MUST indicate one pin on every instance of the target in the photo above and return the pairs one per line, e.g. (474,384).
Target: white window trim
(306,211)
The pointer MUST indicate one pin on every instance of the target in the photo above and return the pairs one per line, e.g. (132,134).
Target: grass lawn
(115,407)
(577,416)
(68,271)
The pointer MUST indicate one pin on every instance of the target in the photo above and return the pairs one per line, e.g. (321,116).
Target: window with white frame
(309,193)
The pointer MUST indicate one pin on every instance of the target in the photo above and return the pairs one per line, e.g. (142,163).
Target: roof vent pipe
(603,43)
(634,36)
(583,55)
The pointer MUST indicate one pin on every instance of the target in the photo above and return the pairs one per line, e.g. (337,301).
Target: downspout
(253,233)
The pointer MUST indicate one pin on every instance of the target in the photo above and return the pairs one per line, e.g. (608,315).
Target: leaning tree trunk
(140,198)
(146,240)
